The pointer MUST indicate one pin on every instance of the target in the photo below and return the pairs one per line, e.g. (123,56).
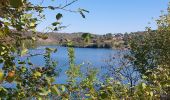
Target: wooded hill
(109,40)
(95,41)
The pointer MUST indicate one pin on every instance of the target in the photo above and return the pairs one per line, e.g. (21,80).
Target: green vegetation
(149,57)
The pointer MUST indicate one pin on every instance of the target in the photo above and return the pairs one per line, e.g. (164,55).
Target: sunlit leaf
(33,38)
(44,92)
(143,85)
(37,74)
(151,94)
(63,88)
(1,76)
(24,51)
(55,90)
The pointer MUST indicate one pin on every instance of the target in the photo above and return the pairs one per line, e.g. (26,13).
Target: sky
(108,16)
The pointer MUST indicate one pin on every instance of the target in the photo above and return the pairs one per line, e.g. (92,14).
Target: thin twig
(69,4)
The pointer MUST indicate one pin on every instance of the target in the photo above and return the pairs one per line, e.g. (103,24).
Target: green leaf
(144,77)
(56,29)
(23,69)
(29,63)
(63,88)
(21,62)
(104,95)
(3,91)
(1,61)
(55,23)
(88,95)
(28,15)
(59,16)
(44,92)
(39,98)
(51,49)
(51,7)
(55,90)
(82,14)
(55,50)
(16,3)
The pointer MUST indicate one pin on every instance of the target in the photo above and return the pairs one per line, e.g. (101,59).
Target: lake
(93,57)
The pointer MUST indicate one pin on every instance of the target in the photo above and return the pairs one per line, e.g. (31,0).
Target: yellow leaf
(151,93)
(143,85)
(24,51)
(1,75)
(37,74)
(32,24)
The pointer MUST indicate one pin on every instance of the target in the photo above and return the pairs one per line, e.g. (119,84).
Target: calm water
(93,57)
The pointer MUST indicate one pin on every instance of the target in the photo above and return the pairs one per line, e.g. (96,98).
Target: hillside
(96,41)
(117,40)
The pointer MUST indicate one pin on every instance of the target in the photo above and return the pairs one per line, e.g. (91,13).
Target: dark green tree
(86,37)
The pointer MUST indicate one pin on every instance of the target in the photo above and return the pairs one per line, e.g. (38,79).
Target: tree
(109,36)
(86,37)
(151,56)
(18,17)
(120,68)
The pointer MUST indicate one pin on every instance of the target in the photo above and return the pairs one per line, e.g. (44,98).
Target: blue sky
(109,16)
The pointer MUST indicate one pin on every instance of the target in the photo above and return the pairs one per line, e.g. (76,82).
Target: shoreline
(88,46)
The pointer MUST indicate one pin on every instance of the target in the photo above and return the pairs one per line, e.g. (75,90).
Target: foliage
(149,55)
(86,37)
(27,79)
